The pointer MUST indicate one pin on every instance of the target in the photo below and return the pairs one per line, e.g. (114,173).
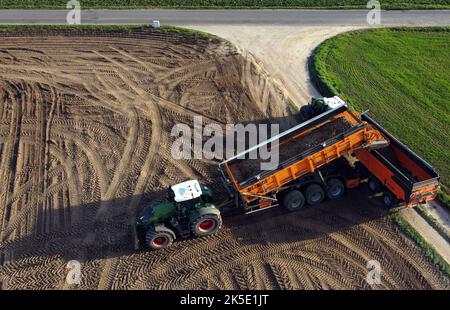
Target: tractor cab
(185,196)
(187,212)
(185,191)
(189,193)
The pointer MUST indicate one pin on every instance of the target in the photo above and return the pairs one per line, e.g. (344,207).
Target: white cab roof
(187,190)
(334,102)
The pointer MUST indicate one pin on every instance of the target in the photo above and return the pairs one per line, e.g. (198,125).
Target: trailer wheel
(374,184)
(159,237)
(205,224)
(314,194)
(294,200)
(389,199)
(336,188)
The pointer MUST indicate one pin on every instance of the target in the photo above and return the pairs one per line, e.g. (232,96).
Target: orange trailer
(328,167)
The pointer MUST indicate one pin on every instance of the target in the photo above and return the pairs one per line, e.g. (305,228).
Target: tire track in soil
(108,272)
(9,160)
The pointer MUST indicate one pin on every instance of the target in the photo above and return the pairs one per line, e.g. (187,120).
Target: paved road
(248,17)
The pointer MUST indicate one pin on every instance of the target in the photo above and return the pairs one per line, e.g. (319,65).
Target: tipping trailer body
(258,191)
(362,149)
(321,157)
(405,174)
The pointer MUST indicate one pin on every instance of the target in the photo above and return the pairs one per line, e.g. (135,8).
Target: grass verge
(444,199)
(422,210)
(191,32)
(401,76)
(430,252)
(116,28)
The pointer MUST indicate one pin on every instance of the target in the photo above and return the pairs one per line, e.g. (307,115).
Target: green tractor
(187,212)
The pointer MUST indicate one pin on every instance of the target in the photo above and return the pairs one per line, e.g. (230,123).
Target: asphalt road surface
(248,17)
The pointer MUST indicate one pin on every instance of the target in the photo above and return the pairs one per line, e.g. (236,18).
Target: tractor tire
(294,200)
(374,184)
(335,188)
(306,112)
(314,194)
(206,223)
(389,199)
(159,237)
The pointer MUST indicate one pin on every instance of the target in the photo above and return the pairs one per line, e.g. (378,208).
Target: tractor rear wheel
(206,223)
(336,188)
(306,112)
(314,194)
(294,200)
(159,237)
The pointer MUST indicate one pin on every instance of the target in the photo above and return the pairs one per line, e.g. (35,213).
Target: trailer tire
(294,200)
(205,223)
(336,188)
(159,237)
(314,194)
(374,184)
(389,199)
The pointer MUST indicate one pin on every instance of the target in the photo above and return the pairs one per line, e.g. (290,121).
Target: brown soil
(85,124)
(245,169)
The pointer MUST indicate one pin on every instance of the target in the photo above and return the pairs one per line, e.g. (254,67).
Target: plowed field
(85,123)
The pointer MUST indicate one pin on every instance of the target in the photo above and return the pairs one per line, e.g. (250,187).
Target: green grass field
(386,4)
(402,76)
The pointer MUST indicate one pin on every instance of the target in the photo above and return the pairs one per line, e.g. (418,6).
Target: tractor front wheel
(205,224)
(159,237)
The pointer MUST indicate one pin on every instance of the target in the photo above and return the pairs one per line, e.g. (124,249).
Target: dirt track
(85,140)
(283,51)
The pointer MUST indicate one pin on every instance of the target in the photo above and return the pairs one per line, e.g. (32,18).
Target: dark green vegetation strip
(425,214)
(444,198)
(121,28)
(402,76)
(115,28)
(217,4)
(430,252)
